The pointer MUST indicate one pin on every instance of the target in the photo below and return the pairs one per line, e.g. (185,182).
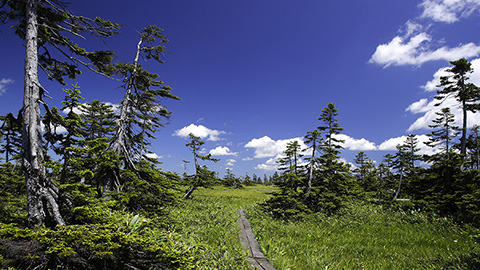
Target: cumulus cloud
(415,46)
(428,110)
(3,85)
(448,11)
(231,162)
(153,155)
(200,131)
(270,165)
(415,51)
(356,144)
(222,151)
(391,144)
(267,147)
(474,77)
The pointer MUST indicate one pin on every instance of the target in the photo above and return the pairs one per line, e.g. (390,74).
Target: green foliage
(365,236)
(148,192)
(109,246)
(10,135)
(12,194)
(209,219)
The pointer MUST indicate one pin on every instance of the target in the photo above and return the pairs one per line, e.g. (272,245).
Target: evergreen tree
(288,202)
(202,177)
(10,132)
(405,159)
(141,113)
(467,94)
(444,132)
(473,143)
(230,180)
(44,26)
(334,185)
(99,120)
(95,163)
(313,139)
(366,173)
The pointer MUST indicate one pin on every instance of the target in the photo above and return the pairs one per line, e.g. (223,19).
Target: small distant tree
(473,143)
(405,159)
(366,173)
(11,134)
(443,133)
(202,177)
(287,202)
(230,180)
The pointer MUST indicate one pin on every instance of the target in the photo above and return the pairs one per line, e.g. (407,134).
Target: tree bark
(189,192)
(41,203)
(118,146)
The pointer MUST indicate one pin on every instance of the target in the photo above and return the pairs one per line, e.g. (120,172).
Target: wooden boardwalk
(249,243)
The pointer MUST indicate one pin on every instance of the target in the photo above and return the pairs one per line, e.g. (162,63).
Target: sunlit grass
(210,219)
(365,237)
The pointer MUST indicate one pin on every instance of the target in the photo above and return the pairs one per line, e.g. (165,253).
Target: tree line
(446,182)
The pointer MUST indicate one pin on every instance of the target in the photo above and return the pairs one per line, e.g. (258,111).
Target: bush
(131,244)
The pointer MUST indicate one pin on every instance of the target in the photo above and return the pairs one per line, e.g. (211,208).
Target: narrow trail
(256,258)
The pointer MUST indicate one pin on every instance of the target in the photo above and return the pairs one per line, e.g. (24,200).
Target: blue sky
(255,74)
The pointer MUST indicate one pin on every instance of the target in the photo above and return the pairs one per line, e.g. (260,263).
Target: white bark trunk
(42,206)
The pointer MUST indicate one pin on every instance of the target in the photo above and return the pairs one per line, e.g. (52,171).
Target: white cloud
(247,159)
(266,147)
(416,46)
(474,77)
(3,85)
(230,162)
(429,110)
(200,131)
(356,144)
(416,51)
(153,155)
(448,11)
(222,151)
(271,164)
(391,144)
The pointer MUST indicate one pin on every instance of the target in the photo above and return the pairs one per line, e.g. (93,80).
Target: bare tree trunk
(399,187)
(42,202)
(463,140)
(118,145)
(189,192)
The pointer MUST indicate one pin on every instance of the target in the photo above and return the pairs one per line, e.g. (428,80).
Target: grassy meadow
(210,219)
(359,237)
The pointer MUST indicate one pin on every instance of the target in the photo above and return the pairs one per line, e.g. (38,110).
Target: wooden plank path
(256,258)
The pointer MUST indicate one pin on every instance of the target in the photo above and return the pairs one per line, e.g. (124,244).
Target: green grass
(360,237)
(210,219)
(365,237)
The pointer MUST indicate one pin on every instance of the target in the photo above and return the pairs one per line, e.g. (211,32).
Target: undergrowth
(365,236)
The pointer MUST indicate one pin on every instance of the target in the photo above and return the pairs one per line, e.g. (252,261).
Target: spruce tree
(10,132)
(334,185)
(314,140)
(444,132)
(141,113)
(202,177)
(467,94)
(45,26)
